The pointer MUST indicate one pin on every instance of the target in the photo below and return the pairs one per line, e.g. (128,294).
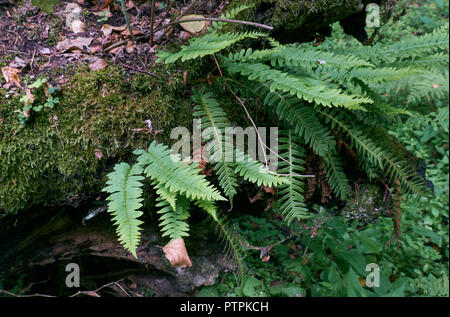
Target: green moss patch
(65,151)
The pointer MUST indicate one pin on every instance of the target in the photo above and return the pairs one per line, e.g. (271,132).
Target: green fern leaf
(173,220)
(125,197)
(291,200)
(177,177)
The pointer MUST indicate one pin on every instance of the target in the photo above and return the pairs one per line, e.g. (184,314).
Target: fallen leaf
(72,44)
(108,29)
(106,13)
(98,64)
(95,49)
(72,12)
(117,49)
(44,50)
(98,154)
(29,97)
(78,26)
(266,258)
(103,4)
(11,75)
(268,190)
(130,47)
(18,63)
(127,33)
(130,4)
(176,253)
(194,26)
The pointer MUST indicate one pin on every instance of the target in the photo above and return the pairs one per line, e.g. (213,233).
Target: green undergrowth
(63,152)
(329,255)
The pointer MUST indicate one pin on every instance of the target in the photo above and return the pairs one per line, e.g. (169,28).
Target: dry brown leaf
(130,4)
(176,253)
(78,26)
(268,190)
(30,97)
(194,26)
(108,29)
(115,50)
(18,63)
(130,47)
(266,258)
(95,49)
(126,33)
(98,64)
(11,75)
(46,87)
(73,44)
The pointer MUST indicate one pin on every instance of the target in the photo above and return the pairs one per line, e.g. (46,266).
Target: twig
(257,132)
(259,25)
(152,23)
(139,70)
(169,6)
(18,295)
(123,42)
(248,115)
(190,6)
(89,293)
(124,9)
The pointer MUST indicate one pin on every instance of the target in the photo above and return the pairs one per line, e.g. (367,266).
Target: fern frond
(229,14)
(125,199)
(173,220)
(206,45)
(256,172)
(305,88)
(410,47)
(392,166)
(297,116)
(233,242)
(335,175)
(382,74)
(214,118)
(291,200)
(177,177)
(293,55)
(443,117)
(165,194)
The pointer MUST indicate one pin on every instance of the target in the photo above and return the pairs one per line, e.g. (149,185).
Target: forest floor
(52,44)
(34,42)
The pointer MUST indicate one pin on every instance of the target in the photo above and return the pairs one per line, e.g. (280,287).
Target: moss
(52,157)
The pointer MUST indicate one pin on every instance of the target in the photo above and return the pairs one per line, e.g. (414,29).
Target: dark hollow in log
(36,262)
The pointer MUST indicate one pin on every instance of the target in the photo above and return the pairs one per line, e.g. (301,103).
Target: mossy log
(38,249)
(63,153)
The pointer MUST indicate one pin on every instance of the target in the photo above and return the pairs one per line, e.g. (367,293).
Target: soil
(31,39)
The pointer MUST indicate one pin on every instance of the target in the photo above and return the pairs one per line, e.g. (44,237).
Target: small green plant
(104,16)
(29,99)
